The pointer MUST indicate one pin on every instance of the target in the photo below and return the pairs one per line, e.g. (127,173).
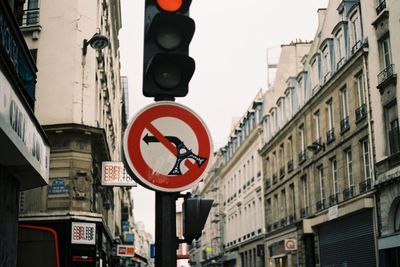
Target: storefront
(24,157)
(351,237)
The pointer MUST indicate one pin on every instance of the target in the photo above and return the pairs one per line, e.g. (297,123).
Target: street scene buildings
(327,147)
(309,174)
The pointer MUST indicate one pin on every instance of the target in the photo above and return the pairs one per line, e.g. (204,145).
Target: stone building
(318,151)
(79,102)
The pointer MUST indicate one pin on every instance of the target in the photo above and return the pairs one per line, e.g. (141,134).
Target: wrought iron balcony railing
(394,140)
(290,165)
(30,17)
(330,135)
(292,218)
(302,156)
(365,185)
(344,125)
(361,112)
(320,205)
(333,199)
(356,46)
(283,221)
(348,192)
(267,183)
(380,7)
(282,172)
(274,178)
(340,62)
(304,212)
(385,74)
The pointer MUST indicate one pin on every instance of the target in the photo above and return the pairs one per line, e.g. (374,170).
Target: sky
(230,47)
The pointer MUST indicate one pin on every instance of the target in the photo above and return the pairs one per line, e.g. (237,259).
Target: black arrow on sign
(182,152)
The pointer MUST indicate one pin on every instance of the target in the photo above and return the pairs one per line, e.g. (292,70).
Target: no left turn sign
(167,147)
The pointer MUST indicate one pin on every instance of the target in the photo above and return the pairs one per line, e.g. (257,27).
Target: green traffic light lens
(168,37)
(167,75)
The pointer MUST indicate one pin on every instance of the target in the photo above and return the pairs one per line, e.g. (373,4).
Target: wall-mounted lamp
(98,41)
(316,147)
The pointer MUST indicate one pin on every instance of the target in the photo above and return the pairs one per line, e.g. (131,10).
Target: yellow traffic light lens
(168,37)
(170,5)
(167,75)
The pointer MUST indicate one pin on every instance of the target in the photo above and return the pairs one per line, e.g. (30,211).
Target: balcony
(269,227)
(344,125)
(30,17)
(304,212)
(292,218)
(267,183)
(274,178)
(333,199)
(282,172)
(330,136)
(275,225)
(361,112)
(283,222)
(381,7)
(302,156)
(290,165)
(320,205)
(340,62)
(365,185)
(386,76)
(356,47)
(348,192)
(327,76)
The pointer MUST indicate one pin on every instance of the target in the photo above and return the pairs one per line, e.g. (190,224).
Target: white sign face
(83,233)
(114,174)
(125,251)
(333,212)
(16,123)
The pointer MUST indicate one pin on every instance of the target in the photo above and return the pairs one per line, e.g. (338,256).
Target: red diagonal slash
(160,137)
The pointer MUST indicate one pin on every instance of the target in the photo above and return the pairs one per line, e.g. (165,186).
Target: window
(397,219)
(301,92)
(301,138)
(288,105)
(326,64)
(305,191)
(366,161)
(335,184)
(321,183)
(345,103)
(314,74)
(340,48)
(317,125)
(349,168)
(356,31)
(330,117)
(283,204)
(290,148)
(281,157)
(386,52)
(360,89)
(31,13)
(392,124)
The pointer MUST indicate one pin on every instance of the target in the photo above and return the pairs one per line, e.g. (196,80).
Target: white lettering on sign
(114,174)
(21,129)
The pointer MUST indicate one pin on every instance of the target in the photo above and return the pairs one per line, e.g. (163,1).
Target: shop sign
(290,244)
(114,174)
(58,187)
(16,123)
(125,251)
(83,233)
(333,212)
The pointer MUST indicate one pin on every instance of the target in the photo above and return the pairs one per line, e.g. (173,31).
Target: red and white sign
(125,251)
(114,174)
(83,233)
(167,147)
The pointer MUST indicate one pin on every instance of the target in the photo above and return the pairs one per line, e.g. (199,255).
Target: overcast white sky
(230,49)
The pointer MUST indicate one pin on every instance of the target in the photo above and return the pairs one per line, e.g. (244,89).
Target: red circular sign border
(133,137)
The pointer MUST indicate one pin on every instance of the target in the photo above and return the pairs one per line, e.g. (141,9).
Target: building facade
(24,159)
(80,103)
(319,153)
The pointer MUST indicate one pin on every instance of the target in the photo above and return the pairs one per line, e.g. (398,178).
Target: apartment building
(318,151)
(382,21)
(79,103)
(25,149)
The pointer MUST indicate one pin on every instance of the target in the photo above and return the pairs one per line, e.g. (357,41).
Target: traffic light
(195,213)
(167,68)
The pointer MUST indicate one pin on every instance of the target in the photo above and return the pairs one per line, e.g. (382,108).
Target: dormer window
(355,31)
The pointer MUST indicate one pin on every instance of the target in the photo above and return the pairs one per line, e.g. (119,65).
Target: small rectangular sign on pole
(113,173)
(125,251)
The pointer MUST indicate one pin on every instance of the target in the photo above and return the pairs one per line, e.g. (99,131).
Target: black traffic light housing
(195,213)
(167,68)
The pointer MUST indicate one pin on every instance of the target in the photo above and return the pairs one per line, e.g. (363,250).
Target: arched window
(397,218)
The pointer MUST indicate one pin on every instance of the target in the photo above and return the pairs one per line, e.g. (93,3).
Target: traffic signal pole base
(166,240)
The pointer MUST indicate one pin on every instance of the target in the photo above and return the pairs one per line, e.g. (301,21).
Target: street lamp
(316,147)
(98,41)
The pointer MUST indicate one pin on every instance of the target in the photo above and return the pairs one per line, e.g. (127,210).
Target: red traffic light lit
(170,5)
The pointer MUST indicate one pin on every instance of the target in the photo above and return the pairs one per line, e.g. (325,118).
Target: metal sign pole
(166,240)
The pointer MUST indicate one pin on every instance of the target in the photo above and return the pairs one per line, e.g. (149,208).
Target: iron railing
(30,17)
(380,7)
(344,124)
(330,135)
(385,74)
(361,112)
